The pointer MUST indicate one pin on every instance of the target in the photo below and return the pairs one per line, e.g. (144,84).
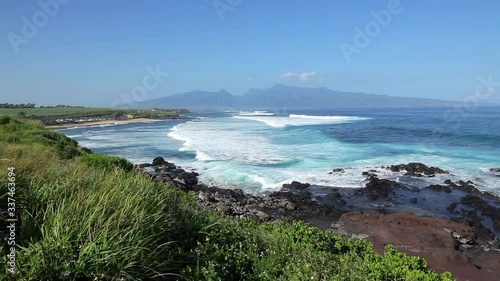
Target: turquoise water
(260,151)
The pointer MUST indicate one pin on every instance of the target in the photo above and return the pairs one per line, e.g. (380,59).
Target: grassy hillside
(83,216)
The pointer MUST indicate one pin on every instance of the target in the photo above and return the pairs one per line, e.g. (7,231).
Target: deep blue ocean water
(259,151)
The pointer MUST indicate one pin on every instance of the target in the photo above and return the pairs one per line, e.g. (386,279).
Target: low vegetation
(63,115)
(83,216)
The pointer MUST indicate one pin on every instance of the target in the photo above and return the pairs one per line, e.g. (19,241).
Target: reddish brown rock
(446,245)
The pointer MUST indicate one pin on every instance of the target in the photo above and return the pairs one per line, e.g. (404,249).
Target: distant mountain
(286,96)
(193,99)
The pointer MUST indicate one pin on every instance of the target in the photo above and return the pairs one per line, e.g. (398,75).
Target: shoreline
(102,122)
(460,243)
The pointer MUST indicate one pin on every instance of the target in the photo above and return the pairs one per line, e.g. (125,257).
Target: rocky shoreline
(453,225)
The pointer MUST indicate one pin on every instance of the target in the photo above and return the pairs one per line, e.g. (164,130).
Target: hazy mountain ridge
(287,96)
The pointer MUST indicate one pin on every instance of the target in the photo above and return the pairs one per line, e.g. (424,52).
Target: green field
(55,116)
(85,216)
(59,111)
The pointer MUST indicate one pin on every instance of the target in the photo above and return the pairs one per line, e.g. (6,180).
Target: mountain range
(280,96)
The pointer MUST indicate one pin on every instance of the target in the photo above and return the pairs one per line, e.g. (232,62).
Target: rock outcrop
(417,169)
(377,188)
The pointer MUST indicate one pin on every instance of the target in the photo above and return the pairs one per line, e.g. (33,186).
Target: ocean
(259,151)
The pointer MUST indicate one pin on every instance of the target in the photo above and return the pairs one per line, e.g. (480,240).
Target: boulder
(159,161)
(296,185)
(377,188)
(223,209)
(261,216)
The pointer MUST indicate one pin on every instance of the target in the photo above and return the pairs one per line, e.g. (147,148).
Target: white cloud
(302,76)
(288,75)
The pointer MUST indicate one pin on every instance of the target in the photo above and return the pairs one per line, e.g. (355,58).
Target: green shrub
(106,162)
(4,119)
(296,251)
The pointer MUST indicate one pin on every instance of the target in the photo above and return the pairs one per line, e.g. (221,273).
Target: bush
(4,119)
(297,251)
(29,132)
(66,147)
(106,162)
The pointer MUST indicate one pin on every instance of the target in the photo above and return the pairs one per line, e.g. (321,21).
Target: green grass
(49,116)
(58,111)
(83,216)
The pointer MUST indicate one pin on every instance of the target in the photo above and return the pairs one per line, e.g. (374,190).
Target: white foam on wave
(252,156)
(74,136)
(237,153)
(301,120)
(322,117)
(256,113)
(212,140)
(203,157)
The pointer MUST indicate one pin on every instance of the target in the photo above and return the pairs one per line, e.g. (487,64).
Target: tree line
(62,106)
(19,105)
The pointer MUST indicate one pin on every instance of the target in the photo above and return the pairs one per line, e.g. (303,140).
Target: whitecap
(256,113)
(301,120)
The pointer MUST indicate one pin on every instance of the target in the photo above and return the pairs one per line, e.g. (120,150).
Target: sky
(102,53)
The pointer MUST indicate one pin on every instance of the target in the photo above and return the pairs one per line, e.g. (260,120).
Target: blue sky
(93,52)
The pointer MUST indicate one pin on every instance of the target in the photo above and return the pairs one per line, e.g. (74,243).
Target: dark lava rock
(417,169)
(223,209)
(471,219)
(413,200)
(261,216)
(296,185)
(451,208)
(438,187)
(495,170)
(484,207)
(467,186)
(338,170)
(377,188)
(336,197)
(159,161)
(369,173)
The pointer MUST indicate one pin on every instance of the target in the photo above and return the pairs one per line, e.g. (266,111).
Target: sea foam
(299,120)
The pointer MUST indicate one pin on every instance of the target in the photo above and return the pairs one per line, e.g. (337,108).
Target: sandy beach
(103,122)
